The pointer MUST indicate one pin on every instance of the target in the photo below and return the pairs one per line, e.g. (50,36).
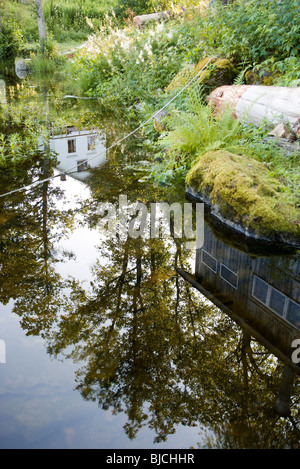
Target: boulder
(219,71)
(242,194)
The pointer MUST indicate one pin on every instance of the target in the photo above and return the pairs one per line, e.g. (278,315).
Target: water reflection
(22,69)
(260,290)
(2,92)
(151,347)
(78,150)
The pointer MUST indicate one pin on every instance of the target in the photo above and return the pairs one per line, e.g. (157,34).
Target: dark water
(107,345)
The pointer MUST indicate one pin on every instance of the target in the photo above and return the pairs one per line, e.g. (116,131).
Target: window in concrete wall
(209,260)
(276,301)
(229,276)
(72,145)
(82,165)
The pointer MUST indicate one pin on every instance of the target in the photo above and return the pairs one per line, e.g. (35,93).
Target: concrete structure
(261,292)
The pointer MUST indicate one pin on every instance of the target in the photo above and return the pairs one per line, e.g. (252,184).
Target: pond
(110,340)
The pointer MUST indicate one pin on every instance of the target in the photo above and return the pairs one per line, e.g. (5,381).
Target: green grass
(75,20)
(65,19)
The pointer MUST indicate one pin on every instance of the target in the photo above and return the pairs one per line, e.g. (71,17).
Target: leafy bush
(124,8)
(252,30)
(11,40)
(284,72)
(126,65)
(74,20)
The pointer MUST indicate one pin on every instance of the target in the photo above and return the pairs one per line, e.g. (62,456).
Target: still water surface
(107,346)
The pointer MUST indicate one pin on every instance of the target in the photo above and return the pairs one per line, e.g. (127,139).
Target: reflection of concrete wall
(73,152)
(2,92)
(229,274)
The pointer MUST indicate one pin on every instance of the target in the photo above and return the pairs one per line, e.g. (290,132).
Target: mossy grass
(245,193)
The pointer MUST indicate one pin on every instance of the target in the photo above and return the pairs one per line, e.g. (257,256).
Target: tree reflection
(30,226)
(150,345)
(153,348)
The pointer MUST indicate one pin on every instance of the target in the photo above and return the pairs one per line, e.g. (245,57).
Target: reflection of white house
(77,150)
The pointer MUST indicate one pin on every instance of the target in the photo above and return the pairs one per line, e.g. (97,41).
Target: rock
(296,129)
(259,77)
(242,194)
(286,145)
(218,72)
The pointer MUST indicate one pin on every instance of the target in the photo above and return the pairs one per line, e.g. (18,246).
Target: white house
(78,150)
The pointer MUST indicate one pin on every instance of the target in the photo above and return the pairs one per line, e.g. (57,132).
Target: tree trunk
(283,403)
(41,23)
(255,104)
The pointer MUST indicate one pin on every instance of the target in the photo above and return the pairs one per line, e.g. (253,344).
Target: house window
(229,276)
(260,290)
(276,301)
(209,260)
(91,142)
(72,146)
(293,313)
(82,165)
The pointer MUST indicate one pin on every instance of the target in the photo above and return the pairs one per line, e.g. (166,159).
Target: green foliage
(67,20)
(191,132)
(284,72)
(126,65)
(23,15)
(47,61)
(252,30)
(11,40)
(75,20)
(127,8)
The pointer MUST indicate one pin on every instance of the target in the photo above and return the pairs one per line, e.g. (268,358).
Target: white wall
(68,161)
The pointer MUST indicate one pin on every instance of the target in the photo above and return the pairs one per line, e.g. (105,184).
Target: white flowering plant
(126,65)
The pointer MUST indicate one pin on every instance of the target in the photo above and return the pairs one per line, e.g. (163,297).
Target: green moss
(218,72)
(245,193)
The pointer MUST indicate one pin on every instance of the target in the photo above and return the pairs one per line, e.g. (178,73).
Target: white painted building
(78,150)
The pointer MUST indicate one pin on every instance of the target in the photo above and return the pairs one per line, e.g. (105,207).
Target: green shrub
(125,8)
(126,65)
(252,30)
(11,40)
(75,20)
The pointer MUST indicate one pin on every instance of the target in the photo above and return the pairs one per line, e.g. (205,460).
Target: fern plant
(192,132)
